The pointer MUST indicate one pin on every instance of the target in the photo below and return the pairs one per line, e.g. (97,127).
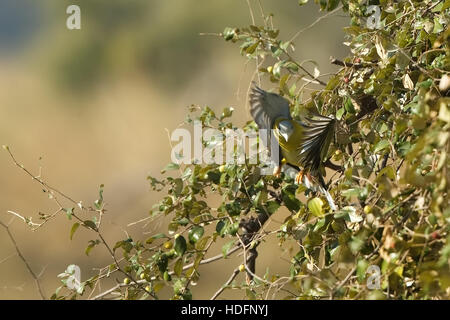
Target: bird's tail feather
(322,188)
(329,198)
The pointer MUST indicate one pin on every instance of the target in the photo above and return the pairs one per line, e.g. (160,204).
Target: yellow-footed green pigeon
(302,144)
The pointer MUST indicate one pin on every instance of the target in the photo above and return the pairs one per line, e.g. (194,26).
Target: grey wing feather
(266,108)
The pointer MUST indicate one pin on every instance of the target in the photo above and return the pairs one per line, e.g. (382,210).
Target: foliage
(390,97)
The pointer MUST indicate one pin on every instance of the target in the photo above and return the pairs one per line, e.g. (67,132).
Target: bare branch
(19,253)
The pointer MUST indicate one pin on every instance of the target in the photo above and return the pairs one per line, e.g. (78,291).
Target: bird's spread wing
(266,108)
(317,135)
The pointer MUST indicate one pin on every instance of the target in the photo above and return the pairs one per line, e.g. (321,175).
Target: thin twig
(226,284)
(19,253)
(315,22)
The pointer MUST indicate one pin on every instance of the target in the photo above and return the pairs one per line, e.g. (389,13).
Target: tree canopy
(388,173)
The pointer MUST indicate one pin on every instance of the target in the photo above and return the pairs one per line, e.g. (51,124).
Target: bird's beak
(285,136)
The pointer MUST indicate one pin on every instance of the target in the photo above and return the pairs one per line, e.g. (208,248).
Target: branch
(226,284)
(348,64)
(19,253)
(315,22)
(332,166)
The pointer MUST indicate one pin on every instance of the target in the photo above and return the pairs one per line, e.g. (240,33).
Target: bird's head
(285,128)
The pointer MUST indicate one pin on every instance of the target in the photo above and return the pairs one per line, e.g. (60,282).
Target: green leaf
(388,172)
(73,229)
(159,236)
(90,224)
(180,245)
(126,245)
(272,207)
(277,68)
(302,2)
(348,105)
(361,269)
(98,203)
(226,113)
(91,245)
(170,166)
(252,48)
(249,293)
(195,234)
(220,227)
(233,208)
(232,228)
(438,27)
(69,212)
(289,199)
(381,145)
(255,28)
(178,268)
(320,224)
(332,4)
(340,113)
(162,262)
(201,244)
(291,66)
(156,236)
(424,84)
(227,247)
(315,205)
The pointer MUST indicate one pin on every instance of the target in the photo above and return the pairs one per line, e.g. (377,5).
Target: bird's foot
(299,177)
(277,171)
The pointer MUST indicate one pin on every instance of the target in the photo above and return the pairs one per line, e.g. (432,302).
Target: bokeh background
(91,106)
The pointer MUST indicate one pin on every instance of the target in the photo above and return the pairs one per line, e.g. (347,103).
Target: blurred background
(91,106)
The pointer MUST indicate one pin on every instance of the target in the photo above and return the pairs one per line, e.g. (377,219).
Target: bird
(303,144)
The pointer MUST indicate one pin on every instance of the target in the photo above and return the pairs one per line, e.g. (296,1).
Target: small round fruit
(167,276)
(143,276)
(269,69)
(222,168)
(241,268)
(126,281)
(148,288)
(435,235)
(367,209)
(168,244)
(176,236)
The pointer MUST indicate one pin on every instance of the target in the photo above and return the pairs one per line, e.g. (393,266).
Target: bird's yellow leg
(277,171)
(299,177)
